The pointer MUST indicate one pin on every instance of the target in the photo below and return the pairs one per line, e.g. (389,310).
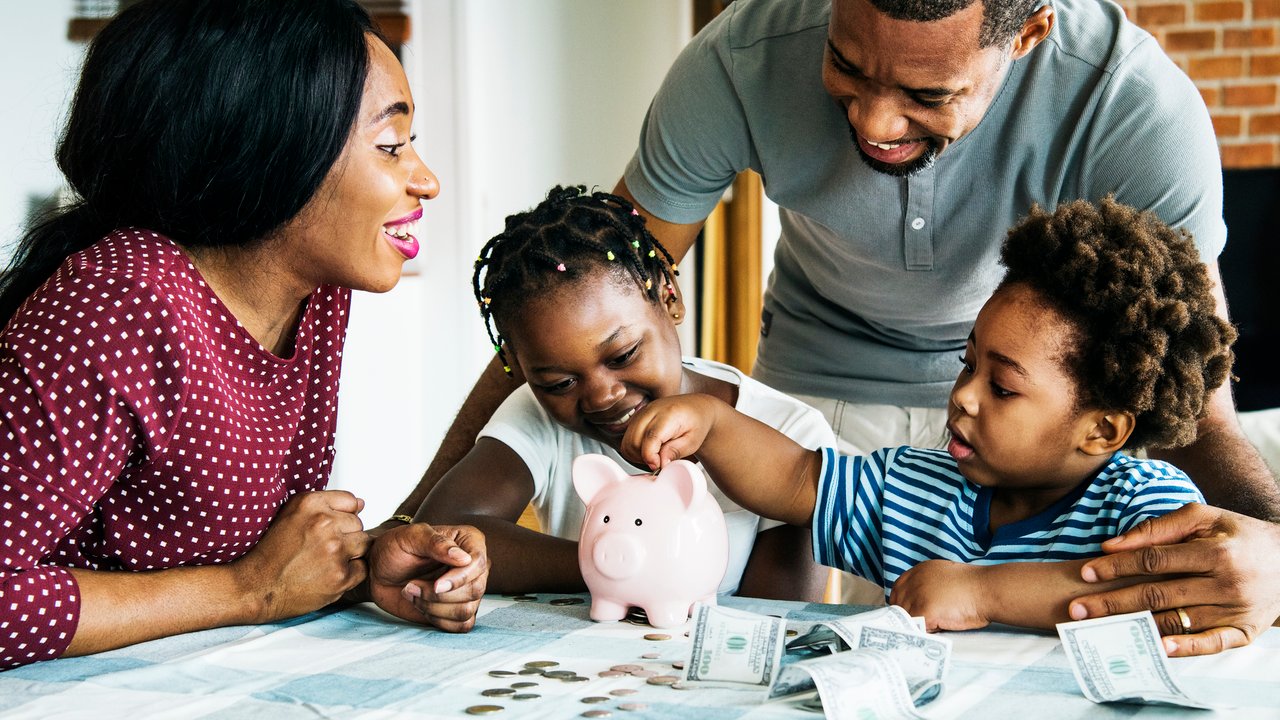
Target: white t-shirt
(549,449)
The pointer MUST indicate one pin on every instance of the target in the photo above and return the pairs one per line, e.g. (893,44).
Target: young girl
(1101,337)
(580,299)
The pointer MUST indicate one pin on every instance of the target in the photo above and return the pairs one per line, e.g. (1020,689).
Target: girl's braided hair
(569,237)
(1148,339)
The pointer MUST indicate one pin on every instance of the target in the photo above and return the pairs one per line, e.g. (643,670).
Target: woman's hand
(949,595)
(308,558)
(668,429)
(433,575)
(1227,581)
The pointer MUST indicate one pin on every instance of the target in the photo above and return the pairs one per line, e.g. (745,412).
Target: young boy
(1101,337)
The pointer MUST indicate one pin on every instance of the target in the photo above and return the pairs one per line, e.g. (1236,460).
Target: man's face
(909,89)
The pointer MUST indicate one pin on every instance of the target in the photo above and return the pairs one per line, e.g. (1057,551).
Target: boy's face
(597,351)
(1013,418)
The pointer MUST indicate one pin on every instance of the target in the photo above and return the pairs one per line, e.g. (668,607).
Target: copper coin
(484,709)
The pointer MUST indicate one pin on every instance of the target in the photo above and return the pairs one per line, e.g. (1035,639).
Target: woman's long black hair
(212,122)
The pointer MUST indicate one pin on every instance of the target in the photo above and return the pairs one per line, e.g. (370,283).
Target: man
(900,138)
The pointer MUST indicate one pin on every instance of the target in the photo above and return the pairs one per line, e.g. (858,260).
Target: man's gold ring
(1185,619)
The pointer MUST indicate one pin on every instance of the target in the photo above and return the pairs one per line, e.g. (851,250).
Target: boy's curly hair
(1148,339)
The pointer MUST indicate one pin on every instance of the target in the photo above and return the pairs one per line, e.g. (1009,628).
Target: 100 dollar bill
(734,648)
(1121,659)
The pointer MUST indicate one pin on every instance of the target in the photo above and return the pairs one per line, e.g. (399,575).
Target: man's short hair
(1001,19)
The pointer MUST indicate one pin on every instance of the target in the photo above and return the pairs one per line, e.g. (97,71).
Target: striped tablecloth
(360,663)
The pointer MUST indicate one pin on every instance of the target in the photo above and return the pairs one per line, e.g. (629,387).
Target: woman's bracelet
(406,519)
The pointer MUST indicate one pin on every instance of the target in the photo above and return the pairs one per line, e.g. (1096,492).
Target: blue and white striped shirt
(879,515)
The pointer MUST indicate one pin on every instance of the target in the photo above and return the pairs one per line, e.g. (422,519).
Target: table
(360,663)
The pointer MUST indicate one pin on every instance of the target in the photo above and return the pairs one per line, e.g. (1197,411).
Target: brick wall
(1231,49)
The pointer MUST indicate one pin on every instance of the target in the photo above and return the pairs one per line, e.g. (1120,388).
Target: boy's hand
(668,429)
(949,595)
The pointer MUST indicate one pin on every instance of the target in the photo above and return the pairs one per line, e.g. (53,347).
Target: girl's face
(1013,417)
(361,225)
(595,352)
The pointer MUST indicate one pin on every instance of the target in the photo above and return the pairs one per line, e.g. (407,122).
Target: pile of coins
(520,689)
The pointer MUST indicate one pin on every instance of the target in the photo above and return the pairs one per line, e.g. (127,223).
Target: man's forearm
(490,390)
(1225,466)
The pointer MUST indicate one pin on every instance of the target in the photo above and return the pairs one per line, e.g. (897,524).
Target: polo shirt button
(917,223)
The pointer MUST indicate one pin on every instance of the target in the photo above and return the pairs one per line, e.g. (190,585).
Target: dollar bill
(734,648)
(1121,659)
(923,659)
(859,684)
(843,633)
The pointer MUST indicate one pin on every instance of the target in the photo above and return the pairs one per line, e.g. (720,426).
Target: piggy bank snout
(618,556)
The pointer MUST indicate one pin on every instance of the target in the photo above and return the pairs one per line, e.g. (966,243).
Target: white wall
(512,98)
(37,77)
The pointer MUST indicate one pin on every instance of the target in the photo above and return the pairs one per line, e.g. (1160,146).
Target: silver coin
(532,671)
(597,713)
(577,679)
(484,709)
(663,680)
(623,692)
(501,673)
(559,674)
(525,696)
(541,664)
(657,636)
(497,692)
(523,685)
(525,598)
(567,601)
(633,706)
(595,699)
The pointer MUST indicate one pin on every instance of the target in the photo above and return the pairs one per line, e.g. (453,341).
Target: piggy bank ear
(591,473)
(687,479)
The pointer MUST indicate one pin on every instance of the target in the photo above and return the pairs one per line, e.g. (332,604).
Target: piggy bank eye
(638,522)
(606,518)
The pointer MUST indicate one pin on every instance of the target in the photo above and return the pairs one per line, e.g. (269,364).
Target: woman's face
(596,351)
(362,224)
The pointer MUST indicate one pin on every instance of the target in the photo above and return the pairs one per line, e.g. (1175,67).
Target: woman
(172,343)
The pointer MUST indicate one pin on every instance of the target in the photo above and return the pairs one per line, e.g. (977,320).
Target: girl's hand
(949,595)
(668,429)
(432,575)
(312,553)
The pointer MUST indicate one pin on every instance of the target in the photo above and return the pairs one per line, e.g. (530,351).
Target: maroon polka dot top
(142,427)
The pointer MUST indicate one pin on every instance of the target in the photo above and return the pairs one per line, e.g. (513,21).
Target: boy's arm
(961,596)
(758,467)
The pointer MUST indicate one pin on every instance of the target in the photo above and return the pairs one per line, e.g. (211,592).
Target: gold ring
(1185,619)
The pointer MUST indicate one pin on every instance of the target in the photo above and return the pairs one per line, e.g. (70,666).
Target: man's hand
(1226,581)
(430,575)
(949,595)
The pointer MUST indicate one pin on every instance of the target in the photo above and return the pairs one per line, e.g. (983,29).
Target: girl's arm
(758,467)
(489,489)
(960,596)
(781,567)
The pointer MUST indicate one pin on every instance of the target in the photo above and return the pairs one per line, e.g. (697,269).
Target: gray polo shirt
(878,279)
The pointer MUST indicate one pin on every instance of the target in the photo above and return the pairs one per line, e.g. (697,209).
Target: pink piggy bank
(658,543)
